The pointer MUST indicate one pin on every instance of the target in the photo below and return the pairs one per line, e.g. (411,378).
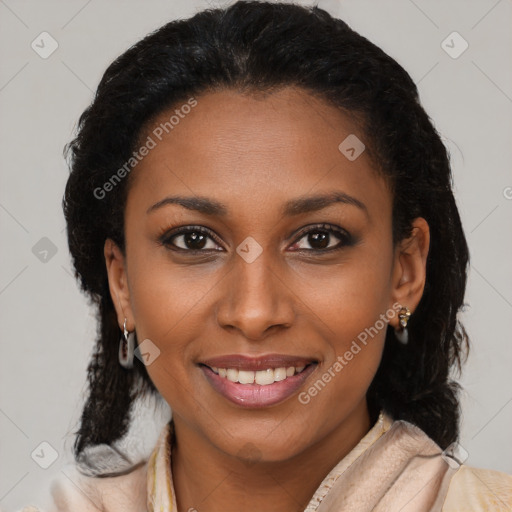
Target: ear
(410,267)
(118,284)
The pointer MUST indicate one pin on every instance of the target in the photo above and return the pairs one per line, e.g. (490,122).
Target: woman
(262,212)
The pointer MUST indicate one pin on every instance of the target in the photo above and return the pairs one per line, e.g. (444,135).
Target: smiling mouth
(260,377)
(257,382)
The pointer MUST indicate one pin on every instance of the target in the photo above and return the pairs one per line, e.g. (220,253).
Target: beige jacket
(403,470)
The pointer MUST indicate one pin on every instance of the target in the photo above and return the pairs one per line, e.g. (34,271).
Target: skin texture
(253,154)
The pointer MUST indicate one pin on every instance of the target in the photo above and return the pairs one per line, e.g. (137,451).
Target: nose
(256,299)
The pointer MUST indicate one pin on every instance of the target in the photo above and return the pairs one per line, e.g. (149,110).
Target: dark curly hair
(258,47)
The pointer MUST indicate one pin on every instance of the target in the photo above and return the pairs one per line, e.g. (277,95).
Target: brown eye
(322,238)
(194,240)
(190,239)
(319,239)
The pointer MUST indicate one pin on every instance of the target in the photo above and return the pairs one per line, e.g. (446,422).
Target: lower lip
(256,395)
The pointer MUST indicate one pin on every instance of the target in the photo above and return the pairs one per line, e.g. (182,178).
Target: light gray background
(47,328)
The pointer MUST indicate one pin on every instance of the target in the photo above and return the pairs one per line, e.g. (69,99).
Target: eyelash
(346,239)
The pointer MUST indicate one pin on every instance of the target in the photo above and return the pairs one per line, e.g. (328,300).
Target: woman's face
(256,248)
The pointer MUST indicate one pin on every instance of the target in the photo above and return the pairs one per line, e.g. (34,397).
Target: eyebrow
(200,204)
(319,202)
(291,208)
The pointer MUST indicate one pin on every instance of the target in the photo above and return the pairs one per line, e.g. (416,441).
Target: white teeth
(280,374)
(264,377)
(261,377)
(245,377)
(232,374)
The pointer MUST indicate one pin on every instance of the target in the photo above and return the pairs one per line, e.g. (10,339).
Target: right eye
(190,239)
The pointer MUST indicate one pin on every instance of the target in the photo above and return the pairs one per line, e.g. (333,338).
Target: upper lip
(251,363)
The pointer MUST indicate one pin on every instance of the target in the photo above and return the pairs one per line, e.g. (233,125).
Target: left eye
(322,239)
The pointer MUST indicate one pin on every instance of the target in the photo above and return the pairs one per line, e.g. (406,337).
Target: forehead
(244,149)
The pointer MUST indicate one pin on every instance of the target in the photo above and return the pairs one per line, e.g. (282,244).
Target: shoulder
(478,490)
(74,492)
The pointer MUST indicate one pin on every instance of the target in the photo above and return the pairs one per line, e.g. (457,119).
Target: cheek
(356,334)
(166,306)
(169,304)
(165,297)
(350,297)
(353,304)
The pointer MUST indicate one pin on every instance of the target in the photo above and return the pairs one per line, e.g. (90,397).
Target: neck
(208,480)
